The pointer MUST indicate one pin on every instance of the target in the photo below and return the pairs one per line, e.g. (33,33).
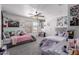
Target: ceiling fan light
(34,17)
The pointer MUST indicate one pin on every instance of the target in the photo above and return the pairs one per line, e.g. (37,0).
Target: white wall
(22,20)
(18,9)
(50,25)
(50,11)
(51,14)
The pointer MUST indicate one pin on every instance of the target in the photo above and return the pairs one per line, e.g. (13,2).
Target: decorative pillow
(6,35)
(63,34)
(20,32)
(17,32)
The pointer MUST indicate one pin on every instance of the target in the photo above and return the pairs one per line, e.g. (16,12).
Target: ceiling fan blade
(39,13)
(40,16)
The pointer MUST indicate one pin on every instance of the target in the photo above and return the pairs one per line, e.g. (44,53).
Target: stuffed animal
(75,52)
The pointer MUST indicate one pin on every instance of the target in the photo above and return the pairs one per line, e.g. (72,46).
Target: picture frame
(12,23)
(74,14)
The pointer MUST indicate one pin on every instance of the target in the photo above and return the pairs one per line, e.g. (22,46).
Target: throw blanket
(17,39)
(52,45)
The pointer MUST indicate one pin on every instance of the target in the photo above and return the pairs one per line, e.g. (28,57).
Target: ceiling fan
(36,13)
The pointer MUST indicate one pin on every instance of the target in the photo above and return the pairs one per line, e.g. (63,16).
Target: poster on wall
(62,21)
(74,13)
(13,23)
(74,21)
(10,23)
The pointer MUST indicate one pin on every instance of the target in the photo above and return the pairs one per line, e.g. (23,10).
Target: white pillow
(55,38)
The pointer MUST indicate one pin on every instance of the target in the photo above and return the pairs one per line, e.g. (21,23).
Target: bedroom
(26,27)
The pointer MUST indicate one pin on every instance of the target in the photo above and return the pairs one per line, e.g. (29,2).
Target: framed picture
(13,23)
(74,21)
(74,13)
(62,21)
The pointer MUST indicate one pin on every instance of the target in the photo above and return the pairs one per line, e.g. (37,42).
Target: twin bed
(17,40)
(52,45)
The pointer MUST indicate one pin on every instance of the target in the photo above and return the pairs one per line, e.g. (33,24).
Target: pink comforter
(17,39)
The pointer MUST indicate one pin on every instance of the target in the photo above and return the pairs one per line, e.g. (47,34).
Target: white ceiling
(24,9)
(53,9)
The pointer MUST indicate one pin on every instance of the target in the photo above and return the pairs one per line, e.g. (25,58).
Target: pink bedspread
(17,39)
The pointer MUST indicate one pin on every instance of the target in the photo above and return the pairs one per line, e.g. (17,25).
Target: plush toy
(75,52)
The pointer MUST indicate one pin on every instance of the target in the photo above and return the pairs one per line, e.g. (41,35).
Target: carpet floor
(31,48)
